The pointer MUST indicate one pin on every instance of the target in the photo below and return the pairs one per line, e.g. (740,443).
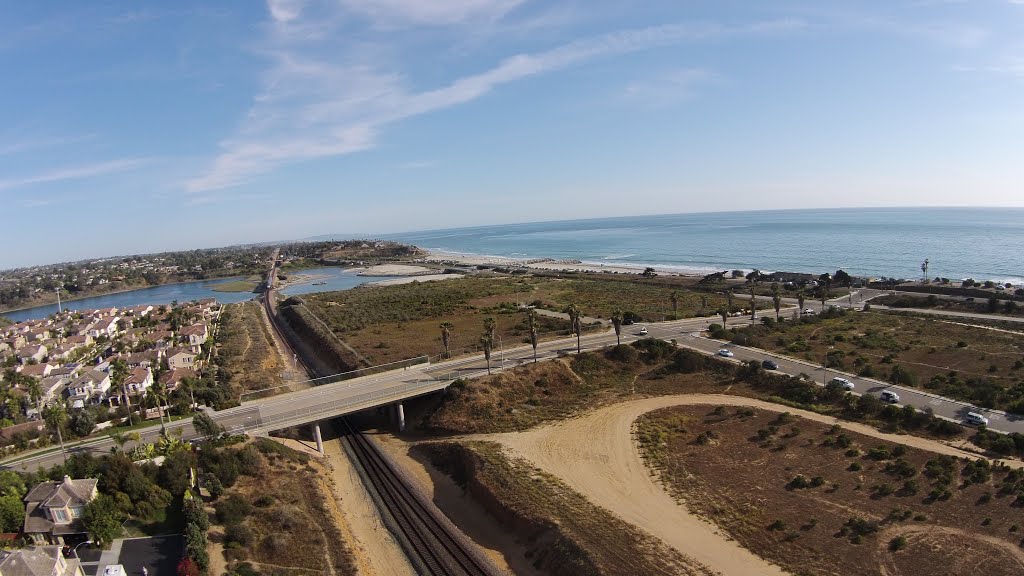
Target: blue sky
(133,127)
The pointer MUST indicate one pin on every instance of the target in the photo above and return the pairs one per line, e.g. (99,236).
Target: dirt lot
(982,366)
(247,349)
(819,499)
(563,532)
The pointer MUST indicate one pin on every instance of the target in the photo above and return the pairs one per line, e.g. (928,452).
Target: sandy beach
(410,279)
(435,257)
(396,270)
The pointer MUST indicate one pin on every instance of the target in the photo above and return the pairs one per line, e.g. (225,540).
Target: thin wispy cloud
(75,172)
(669,87)
(28,145)
(389,13)
(312,106)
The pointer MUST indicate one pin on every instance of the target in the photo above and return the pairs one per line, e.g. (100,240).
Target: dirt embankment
(314,341)
(563,533)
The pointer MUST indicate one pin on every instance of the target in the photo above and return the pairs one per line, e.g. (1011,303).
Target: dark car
(769,365)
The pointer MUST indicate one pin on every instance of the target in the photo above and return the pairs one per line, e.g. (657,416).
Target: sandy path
(376,550)
(597,456)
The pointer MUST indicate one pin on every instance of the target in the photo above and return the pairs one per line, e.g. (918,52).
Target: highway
(332,400)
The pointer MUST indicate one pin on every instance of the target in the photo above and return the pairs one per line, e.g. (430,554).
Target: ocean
(979,243)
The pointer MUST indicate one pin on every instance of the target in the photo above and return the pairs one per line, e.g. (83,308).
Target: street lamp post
(501,351)
(75,549)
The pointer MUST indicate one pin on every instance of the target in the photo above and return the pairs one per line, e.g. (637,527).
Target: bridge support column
(400,413)
(319,439)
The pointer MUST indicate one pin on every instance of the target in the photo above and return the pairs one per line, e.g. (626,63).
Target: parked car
(769,365)
(890,397)
(975,419)
(846,384)
(809,311)
(643,330)
(725,353)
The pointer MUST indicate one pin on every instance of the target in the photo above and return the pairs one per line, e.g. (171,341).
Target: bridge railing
(248,421)
(339,377)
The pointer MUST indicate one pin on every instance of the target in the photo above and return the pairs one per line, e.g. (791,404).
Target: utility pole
(58,301)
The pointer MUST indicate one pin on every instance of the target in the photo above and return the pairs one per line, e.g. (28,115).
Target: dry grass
(564,532)
(964,362)
(738,467)
(247,350)
(294,531)
(390,323)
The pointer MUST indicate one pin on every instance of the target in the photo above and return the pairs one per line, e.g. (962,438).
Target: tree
(649,272)
(81,423)
(728,296)
(842,278)
(703,303)
(12,513)
(118,374)
(531,321)
(188,568)
(753,305)
(776,299)
(490,325)
(102,520)
(55,416)
(924,271)
(446,335)
(800,298)
(674,297)
(724,313)
(617,324)
(488,343)
(205,425)
(574,321)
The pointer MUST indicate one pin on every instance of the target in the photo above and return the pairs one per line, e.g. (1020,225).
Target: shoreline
(555,265)
(111,293)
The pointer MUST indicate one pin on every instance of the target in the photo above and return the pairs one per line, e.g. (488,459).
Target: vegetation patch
(564,532)
(275,511)
(810,511)
(246,354)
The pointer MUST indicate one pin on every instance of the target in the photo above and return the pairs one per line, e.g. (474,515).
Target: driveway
(159,554)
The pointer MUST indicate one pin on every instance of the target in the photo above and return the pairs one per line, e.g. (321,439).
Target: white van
(890,397)
(846,384)
(975,419)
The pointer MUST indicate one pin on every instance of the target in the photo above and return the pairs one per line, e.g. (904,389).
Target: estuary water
(979,243)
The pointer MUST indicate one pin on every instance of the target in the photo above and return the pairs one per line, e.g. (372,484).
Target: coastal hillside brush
(973,364)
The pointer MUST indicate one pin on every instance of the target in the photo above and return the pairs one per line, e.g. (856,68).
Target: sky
(134,127)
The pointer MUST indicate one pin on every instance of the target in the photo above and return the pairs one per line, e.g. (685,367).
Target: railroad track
(427,537)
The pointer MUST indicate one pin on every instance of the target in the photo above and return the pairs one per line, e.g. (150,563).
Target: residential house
(173,378)
(79,339)
(15,341)
(38,334)
(148,358)
(31,352)
(195,335)
(39,561)
(64,351)
(91,387)
(53,386)
(37,371)
(181,358)
(138,381)
(54,509)
(104,327)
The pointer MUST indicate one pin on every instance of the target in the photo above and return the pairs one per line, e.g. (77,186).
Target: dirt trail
(596,455)
(376,550)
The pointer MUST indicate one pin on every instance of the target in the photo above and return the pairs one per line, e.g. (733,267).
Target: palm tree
(490,325)
(35,393)
(724,313)
(728,295)
(753,305)
(617,324)
(674,297)
(488,344)
(118,374)
(446,335)
(703,303)
(776,299)
(574,321)
(123,438)
(55,416)
(160,394)
(531,321)
(800,301)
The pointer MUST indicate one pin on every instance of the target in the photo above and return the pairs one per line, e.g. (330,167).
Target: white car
(846,384)
(643,330)
(975,419)
(890,397)
(725,353)
(809,311)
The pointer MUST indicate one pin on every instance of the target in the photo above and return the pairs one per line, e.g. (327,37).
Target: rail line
(428,537)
